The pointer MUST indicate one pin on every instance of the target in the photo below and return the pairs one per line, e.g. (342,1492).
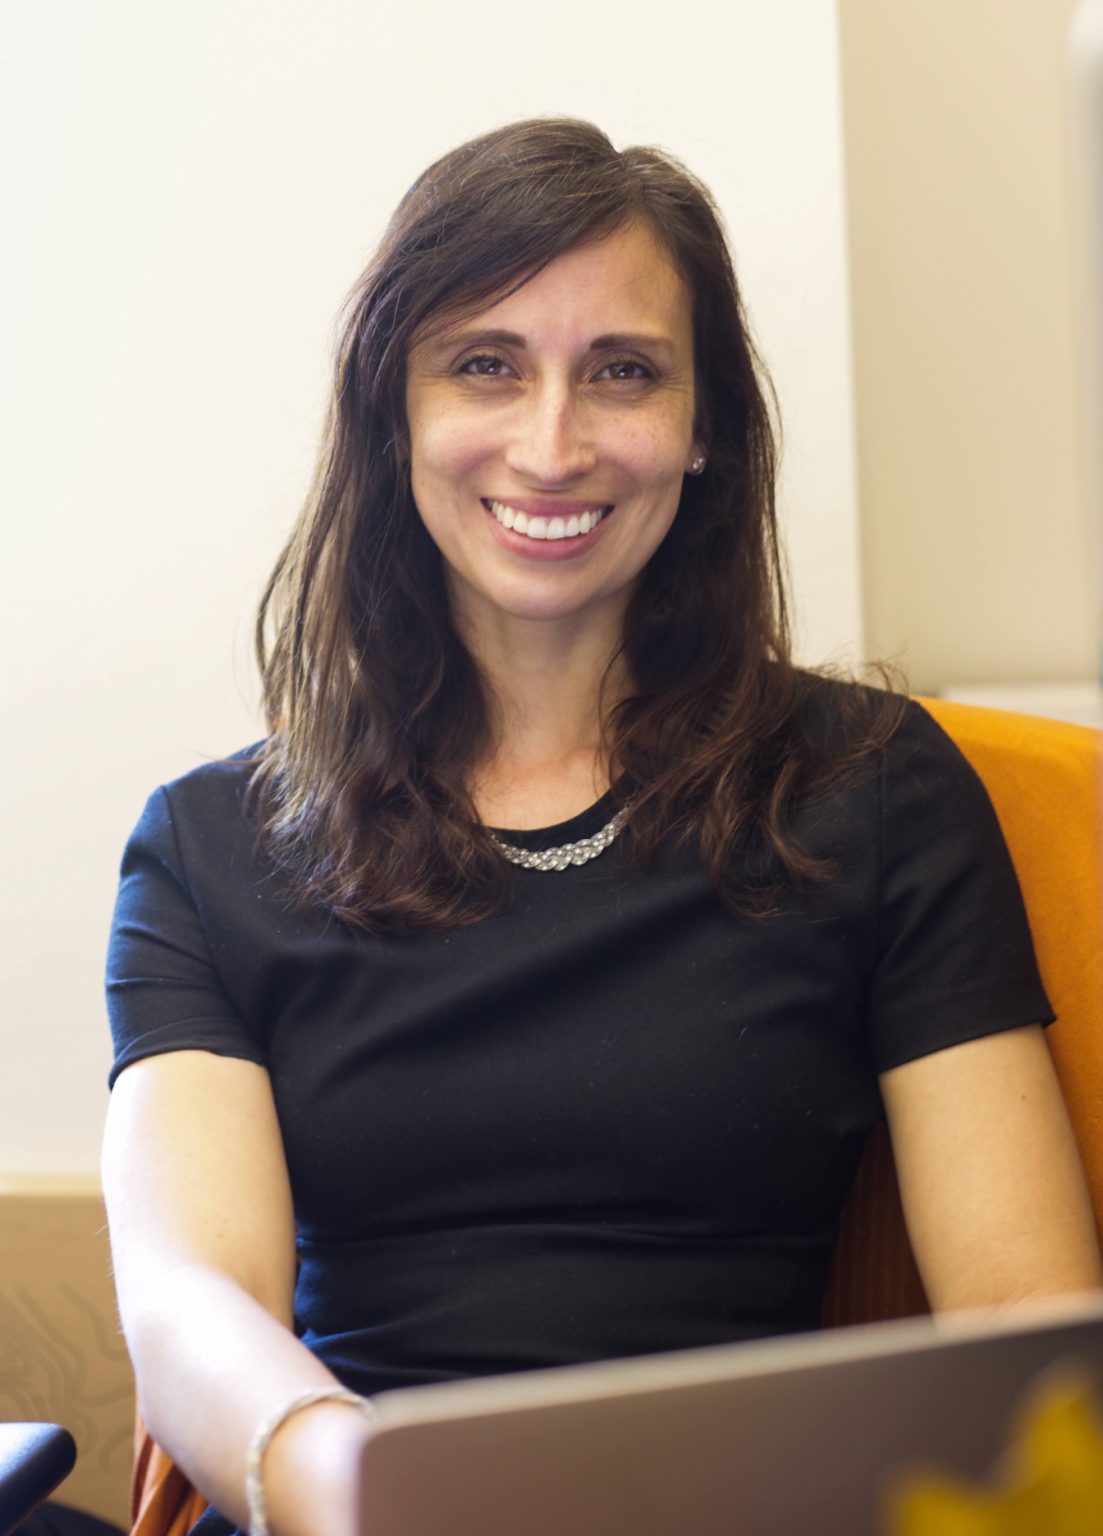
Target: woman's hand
(202,1241)
(994,1196)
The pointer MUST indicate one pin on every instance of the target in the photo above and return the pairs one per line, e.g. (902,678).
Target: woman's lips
(548,521)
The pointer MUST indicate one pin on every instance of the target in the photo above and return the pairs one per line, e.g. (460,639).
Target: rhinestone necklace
(582,852)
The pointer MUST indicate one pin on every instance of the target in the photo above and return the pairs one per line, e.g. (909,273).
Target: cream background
(978,556)
(191,191)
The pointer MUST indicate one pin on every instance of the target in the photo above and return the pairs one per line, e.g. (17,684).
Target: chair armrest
(34,1458)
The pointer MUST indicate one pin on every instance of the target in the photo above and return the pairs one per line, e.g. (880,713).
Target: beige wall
(977,560)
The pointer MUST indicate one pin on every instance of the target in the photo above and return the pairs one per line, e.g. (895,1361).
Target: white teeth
(545,527)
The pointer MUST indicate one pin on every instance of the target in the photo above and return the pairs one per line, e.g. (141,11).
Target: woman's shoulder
(881,741)
(220,780)
(840,716)
(924,784)
(202,808)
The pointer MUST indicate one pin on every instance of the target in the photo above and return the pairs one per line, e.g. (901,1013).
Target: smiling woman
(582,353)
(527,996)
(549,470)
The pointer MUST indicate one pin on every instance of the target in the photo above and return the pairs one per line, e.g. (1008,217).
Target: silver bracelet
(254,1483)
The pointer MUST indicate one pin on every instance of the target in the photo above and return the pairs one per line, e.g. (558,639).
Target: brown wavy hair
(377,711)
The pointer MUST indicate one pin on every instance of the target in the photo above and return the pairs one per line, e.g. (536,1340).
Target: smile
(533,527)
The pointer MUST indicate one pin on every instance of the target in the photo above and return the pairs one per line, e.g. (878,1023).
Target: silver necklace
(582,852)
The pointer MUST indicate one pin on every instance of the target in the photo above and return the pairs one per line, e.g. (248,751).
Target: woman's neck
(551,686)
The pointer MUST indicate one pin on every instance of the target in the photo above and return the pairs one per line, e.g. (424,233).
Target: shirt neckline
(585,824)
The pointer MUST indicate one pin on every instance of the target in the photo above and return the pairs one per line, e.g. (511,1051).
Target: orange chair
(1046,782)
(1045,779)
(162,1501)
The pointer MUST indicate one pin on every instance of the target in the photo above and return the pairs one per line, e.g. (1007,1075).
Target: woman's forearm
(203,1245)
(212,1365)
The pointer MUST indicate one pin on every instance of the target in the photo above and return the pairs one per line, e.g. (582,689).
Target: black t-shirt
(614,1119)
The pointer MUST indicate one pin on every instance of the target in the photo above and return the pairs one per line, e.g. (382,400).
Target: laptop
(801,1436)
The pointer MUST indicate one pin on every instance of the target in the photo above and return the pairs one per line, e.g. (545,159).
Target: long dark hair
(377,712)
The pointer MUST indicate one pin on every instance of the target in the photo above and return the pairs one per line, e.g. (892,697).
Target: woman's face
(549,434)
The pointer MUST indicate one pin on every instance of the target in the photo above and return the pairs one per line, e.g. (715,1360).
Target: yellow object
(1051,1485)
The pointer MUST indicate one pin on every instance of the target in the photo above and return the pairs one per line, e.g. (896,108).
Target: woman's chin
(530,600)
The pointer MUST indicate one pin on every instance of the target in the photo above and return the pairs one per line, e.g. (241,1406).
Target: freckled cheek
(657,458)
(447,450)
(430,474)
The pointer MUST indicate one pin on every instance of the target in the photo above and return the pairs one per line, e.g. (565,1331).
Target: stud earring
(698,465)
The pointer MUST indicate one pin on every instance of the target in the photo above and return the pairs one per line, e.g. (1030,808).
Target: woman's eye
(628,371)
(484,366)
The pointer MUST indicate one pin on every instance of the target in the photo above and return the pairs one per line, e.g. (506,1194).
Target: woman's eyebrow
(647,341)
(481,338)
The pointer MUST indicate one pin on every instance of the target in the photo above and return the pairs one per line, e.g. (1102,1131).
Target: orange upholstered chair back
(1045,780)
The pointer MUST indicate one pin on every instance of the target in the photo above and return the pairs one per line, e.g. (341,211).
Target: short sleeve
(163,989)
(955,956)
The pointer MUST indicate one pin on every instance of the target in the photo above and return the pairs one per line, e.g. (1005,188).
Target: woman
(534,985)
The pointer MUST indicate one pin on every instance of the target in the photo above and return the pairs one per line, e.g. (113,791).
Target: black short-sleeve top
(613,1119)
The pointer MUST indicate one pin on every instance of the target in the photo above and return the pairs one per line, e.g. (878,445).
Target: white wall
(193,188)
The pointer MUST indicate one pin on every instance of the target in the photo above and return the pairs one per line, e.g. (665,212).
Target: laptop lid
(797,1435)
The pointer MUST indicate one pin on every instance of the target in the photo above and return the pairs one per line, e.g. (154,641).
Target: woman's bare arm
(203,1247)
(994,1195)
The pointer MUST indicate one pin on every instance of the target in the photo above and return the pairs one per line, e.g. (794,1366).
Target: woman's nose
(552,443)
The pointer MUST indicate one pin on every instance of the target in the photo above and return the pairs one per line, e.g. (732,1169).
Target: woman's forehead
(623,285)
